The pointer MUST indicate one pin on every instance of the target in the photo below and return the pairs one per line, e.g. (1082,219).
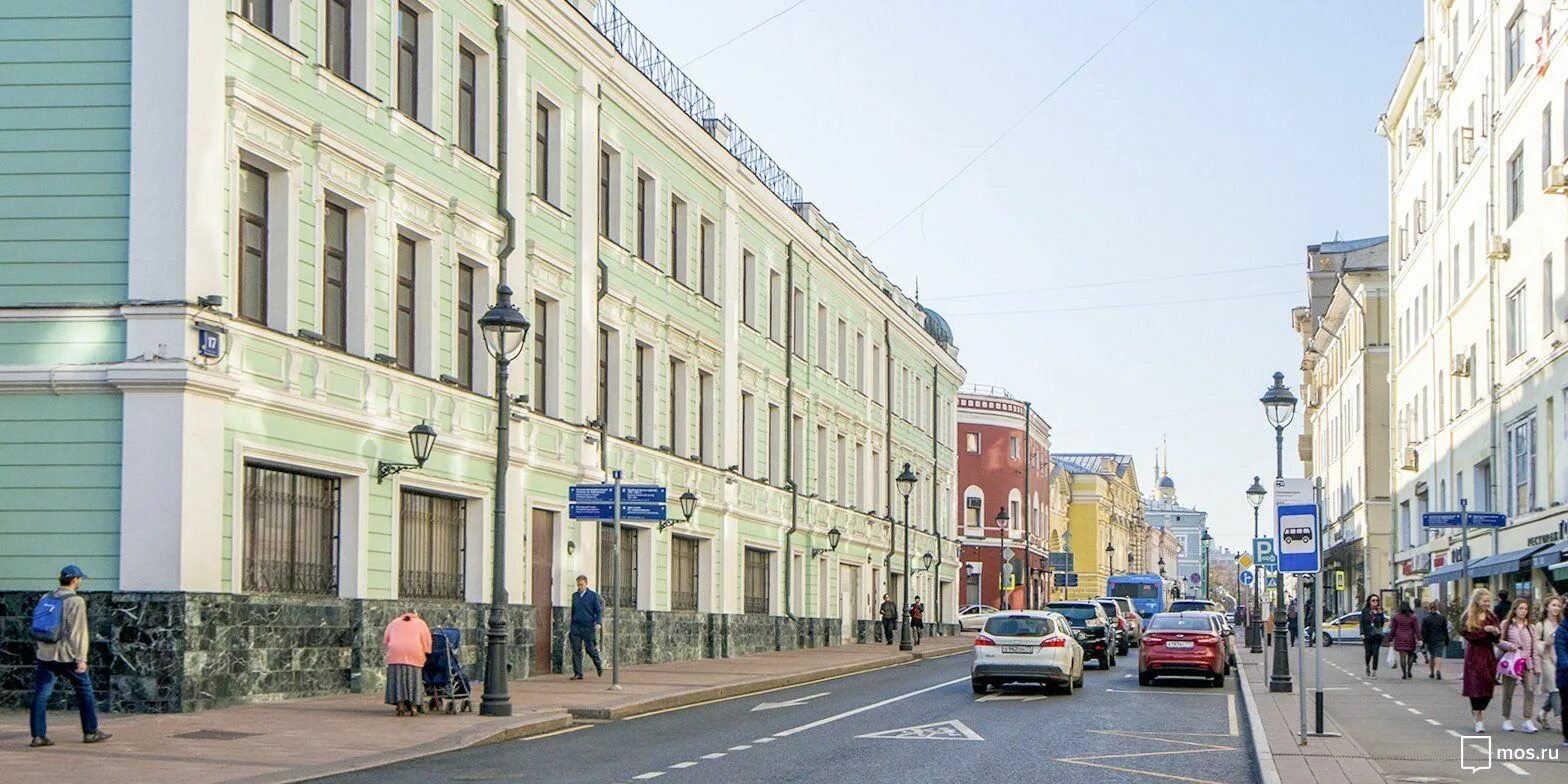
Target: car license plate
(1017,649)
(1178,645)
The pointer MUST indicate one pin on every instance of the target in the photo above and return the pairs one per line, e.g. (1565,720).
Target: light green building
(243,245)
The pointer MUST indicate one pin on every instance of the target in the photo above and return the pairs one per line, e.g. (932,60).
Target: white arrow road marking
(862,709)
(941,730)
(788,703)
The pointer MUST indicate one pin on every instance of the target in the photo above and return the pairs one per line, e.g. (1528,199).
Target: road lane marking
(1376,689)
(682,765)
(1400,703)
(1230,709)
(1413,710)
(715,755)
(741,747)
(1516,769)
(1000,697)
(764,740)
(1201,748)
(554,733)
(789,703)
(952,729)
(1156,691)
(770,691)
(1455,734)
(649,775)
(1433,722)
(862,709)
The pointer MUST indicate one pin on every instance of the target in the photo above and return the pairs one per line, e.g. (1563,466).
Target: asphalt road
(933,728)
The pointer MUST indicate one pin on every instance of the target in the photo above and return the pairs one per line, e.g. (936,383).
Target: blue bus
(1147,591)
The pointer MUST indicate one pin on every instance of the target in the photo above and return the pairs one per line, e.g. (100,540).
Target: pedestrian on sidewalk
(1372,621)
(1546,654)
(1406,633)
(1501,608)
(1434,634)
(1481,635)
(60,633)
(587,617)
(408,644)
(1519,666)
(1560,652)
(917,618)
(889,613)
(1293,622)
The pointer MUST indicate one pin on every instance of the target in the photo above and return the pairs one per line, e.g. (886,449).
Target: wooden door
(541,592)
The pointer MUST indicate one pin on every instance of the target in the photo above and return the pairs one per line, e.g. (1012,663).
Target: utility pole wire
(1014,126)
(744,33)
(1127,305)
(1101,284)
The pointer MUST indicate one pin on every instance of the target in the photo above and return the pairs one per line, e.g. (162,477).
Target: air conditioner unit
(1412,459)
(1461,366)
(1497,248)
(973,503)
(1434,110)
(1466,144)
(1417,138)
(1446,82)
(1556,179)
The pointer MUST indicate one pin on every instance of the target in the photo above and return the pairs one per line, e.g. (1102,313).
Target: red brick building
(998,436)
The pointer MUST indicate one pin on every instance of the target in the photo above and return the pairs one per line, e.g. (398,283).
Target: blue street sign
(1246,578)
(592,511)
(1264,553)
(1066,579)
(208,343)
(1452,520)
(644,494)
(1296,526)
(641,512)
(1060,562)
(1273,582)
(591,494)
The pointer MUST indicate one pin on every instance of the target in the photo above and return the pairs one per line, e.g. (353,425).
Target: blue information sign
(1453,520)
(591,494)
(1264,553)
(208,343)
(641,512)
(1066,579)
(1246,577)
(592,511)
(645,494)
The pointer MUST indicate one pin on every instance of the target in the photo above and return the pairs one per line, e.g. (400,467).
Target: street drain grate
(215,735)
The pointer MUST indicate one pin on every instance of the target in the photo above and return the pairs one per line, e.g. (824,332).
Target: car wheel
(1327,640)
(1219,680)
(1145,679)
(1079,680)
(979,686)
(1121,650)
(1067,687)
(1105,660)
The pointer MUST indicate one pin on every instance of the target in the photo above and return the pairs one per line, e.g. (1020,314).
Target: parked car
(1131,621)
(1182,644)
(1193,605)
(972,617)
(1228,633)
(1134,618)
(1093,630)
(1345,628)
(1029,646)
(1113,611)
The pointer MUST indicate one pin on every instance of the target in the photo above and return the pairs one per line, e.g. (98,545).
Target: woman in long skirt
(1480,630)
(408,643)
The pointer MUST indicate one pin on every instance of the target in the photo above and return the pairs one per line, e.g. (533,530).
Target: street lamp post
(1279,405)
(1206,539)
(1255,496)
(906,485)
(506,332)
(1002,519)
(1110,565)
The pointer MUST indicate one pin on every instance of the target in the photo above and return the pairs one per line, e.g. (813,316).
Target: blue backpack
(48,617)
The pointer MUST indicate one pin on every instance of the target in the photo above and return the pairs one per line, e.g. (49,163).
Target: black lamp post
(506,332)
(1279,406)
(1110,564)
(1002,565)
(1255,496)
(1206,539)
(906,485)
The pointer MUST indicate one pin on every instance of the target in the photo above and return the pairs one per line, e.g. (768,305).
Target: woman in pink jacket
(1405,628)
(1523,665)
(408,643)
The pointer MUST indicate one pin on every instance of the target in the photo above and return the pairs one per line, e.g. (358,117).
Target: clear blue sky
(1210,136)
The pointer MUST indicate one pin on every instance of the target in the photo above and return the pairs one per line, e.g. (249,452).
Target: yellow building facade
(1104,510)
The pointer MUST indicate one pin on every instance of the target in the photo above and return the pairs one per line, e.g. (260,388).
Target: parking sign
(1296,526)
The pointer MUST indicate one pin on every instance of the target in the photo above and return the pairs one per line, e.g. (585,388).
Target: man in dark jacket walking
(1500,609)
(1434,636)
(889,614)
(587,615)
(61,652)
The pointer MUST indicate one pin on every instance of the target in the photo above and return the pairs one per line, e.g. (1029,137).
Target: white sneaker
(1480,727)
(1508,725)
(1529,727)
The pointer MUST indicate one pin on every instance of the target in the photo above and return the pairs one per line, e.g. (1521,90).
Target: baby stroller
(445,681)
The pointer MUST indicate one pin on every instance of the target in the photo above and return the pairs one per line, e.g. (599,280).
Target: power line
(744,33)
(1125,306)
(1014,126)
(1177,276)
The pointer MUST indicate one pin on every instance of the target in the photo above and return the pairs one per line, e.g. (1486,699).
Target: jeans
(579,639)
(887,629)
(43,685)
(1372,645)
(1525,684)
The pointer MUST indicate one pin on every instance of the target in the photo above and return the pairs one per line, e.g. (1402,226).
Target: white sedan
(1030,646)
(972,617)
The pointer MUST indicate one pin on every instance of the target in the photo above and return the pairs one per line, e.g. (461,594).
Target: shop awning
(1446,572)
(1559,570)
(1551,554)
(1505,563)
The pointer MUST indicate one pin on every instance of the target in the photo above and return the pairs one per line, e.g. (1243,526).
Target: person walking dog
(587,616)
(60,634)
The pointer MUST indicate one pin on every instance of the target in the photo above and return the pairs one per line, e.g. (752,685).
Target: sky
(1210,136)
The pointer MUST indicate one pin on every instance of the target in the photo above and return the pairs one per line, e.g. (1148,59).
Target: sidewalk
(1339,760)
(303,739)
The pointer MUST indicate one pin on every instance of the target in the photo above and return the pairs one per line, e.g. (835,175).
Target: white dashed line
(1400,703)
(1516,768)
(714,755)
(764,740)
(1455,734)
(1413,710)
(1433,722)
(651,775)
(741,747)
(1376,689)
(682,765)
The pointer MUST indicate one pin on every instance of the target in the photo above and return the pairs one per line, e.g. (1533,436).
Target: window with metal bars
(291,531)
(683,573)
(758,564)
(628,588)
(431,546)
(252,237)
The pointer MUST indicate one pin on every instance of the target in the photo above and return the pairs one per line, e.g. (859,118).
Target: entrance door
(541,593)
(848,593)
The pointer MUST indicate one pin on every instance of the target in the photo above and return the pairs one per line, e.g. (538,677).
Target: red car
(1186,644)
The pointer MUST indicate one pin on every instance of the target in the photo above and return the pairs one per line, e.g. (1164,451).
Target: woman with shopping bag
(1519,665)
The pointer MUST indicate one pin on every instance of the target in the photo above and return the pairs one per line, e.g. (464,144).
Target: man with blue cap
(60,631)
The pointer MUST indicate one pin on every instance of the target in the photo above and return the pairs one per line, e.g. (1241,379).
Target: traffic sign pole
(615,582)
(1464,546)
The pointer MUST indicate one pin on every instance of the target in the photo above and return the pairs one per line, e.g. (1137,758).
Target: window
(431,546)
(543,310)
(1012,446)
(609,194)
(677,424)
(627,596)
(465,325)
(1547,292)
(776,307)
(748,288)
(775,445)
(707,265)
(748,434)
(684,563)
(609,379)
(1546,145)
(822,462)
(757,581)
(972,443)
(1513,41)
(841,469)
(857,489)
(645,218)
(678,240)
(334,275)
(291,531)
(252,244)
(644,385)
(467,99)
(860,363)
(706,432)
(821,329)
(338,41)
(842,361)
(403,343)
(408,60)
(258,13)
(876,373)
(1470,245)
(798,322)
(874,500)
(797,451)
(545,179)
(1515,323)
(1521,466)
(1515,185)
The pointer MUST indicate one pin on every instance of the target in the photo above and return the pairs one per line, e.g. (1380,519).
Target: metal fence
(431,546)
(627,597)
(291,532)
(683,574)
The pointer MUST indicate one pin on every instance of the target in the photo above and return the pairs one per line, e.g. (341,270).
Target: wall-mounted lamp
(833,536)
(688,501)
(422,439)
